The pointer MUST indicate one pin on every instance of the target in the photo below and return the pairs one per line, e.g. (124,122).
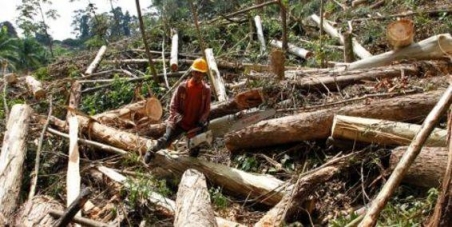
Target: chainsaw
(218,127)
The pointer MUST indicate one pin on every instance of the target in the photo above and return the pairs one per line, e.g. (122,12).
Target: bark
(137,115)
(35,87)
(349,77)
(359,50)
(74,98)
(260,34)
(193,207)
(371,217)
(217,80)
(382,131)
(254,187)
(10,78)
(35,212)
(277,60)
(297,51)
(174,52)
(348,48)
(317,125)
(435,47)
(400,33)
(93,66)
(12,158)
(427,169)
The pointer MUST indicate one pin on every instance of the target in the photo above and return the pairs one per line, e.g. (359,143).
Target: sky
(61,29)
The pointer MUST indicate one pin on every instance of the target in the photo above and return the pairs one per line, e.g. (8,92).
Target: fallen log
(297,51)
(10,78)
(79,220)
(35,87)
(12,157)
(216,79)
(435,47)
(174,65)
(193,206)
(95,63)
(73,178)
(35,212)
(400,33)
(317,125)
(254,187)
(382,132)
(260,34)
(345,78)
(427,169)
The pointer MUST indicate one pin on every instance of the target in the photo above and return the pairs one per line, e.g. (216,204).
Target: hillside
(333,133)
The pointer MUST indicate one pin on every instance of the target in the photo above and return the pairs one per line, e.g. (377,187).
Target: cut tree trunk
(297,51)
(35,212)
(348,48)
(382,132)
(435,47)
(35,87)
(359,50)
(254,187)
(217,80)
(174,65)
(74,98)
(427,169)
(317,125)
(73,179)
(136,115)
(400,33)
(10,78)
(93,66)
(193,206)
(12,158)
(277,60)
(260,34)
(349,77)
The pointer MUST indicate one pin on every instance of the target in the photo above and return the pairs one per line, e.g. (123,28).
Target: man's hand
(202,124)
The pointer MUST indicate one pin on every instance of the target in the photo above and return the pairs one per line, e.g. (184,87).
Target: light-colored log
(359,50)
(73,179)
(260,34)
(217,80)
(435,47)
(95,63)
(35,87)
(193,206)
(427,169)
(35,212)
(371,217)
(137,115)
(297,51)
(174,52)
(12,158)
(317,125)
(382,132)
(400,33)
(10,78)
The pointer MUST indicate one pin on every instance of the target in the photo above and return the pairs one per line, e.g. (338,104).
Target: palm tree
(32,54)
(8,49)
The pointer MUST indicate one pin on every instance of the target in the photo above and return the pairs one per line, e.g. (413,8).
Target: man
(189,109)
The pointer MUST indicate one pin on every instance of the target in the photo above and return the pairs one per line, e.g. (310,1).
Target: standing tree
(8,48)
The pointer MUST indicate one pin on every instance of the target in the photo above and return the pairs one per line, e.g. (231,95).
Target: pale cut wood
(254,187)
(217,80)
(35,87)
(10,78)
(139,114)
(174,51)
(359,50)
(400,33)
(159,200)
(73,179)
(93,66)
(435,47)
(317,125)
(35,212)
(427,169)
(371,217)
(260,34)
(382,132)
(12,158)
(193,206)
(297,51)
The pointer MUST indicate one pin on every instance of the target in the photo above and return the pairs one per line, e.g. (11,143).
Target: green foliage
(8,48)
(218,199)
(32,54)
(247,163)
(140,189)
(42,73)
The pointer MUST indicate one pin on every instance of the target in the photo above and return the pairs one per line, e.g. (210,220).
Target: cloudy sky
(61,28)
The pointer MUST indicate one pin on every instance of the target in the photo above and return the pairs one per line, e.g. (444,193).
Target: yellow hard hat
(199,65)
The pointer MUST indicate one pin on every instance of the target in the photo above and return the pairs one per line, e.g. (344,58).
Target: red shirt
(192,105)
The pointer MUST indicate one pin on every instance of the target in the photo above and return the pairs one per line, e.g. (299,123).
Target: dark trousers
(170,135)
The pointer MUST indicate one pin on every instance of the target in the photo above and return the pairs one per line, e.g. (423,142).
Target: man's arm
(206,111)
(175,116)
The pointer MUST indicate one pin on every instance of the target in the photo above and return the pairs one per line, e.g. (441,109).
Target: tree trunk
(35,212)
(400,33)
(348,48)
(174,65)
(217,80)
(297,51)
(12,158)
(93,66)
(277,60)
(10,78)
(73,179)
(317,125)
(435,47)
(193,206)
(382,131)
(260,34)
(74,98)
(35,87)
(427,169)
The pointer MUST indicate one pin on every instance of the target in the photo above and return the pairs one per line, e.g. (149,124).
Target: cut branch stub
(400,33)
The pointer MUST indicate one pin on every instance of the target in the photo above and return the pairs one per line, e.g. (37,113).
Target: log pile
(380,101)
